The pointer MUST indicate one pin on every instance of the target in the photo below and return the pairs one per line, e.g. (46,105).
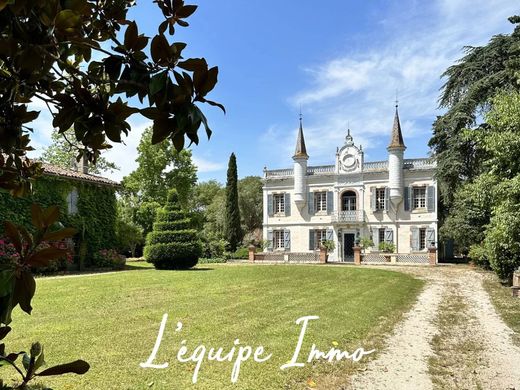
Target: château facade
(391,201)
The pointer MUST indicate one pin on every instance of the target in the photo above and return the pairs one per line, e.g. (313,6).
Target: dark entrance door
(348,246)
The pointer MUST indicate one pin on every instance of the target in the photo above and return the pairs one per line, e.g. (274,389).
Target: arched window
(348,201)
(72,201)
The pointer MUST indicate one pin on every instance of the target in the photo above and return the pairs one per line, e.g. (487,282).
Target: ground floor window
(278,239)
(319,237)
(381,235)
(422,238)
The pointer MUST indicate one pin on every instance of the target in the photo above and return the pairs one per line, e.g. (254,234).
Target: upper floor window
(380,199)
(72,201)
(320,201)
(419,197)
(279,203)
(348,201)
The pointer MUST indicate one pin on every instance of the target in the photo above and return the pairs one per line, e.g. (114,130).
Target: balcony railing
(348,216)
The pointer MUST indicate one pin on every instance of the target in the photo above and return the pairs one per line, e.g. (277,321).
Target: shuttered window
(419,197)
(380,199)
(279,203)
(278,239)
(320,201)
(422,239)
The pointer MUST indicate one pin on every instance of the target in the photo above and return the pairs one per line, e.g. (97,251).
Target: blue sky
(340,60)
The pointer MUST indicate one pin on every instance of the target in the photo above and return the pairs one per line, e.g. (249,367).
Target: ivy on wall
(95,219)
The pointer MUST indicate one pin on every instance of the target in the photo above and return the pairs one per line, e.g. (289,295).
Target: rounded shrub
(173,243)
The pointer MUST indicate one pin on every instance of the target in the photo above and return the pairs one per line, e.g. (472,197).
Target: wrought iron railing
(348,216)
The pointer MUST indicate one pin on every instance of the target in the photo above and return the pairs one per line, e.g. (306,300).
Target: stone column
(252,250)
(516,283)
(357,255)
(432,255)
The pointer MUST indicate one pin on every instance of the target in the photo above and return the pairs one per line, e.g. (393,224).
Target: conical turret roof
(301,150)
(396,140)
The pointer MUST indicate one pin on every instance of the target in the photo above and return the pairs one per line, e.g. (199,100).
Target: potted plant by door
(329,246)
(387,248)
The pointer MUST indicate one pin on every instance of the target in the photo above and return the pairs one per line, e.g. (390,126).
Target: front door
(348,246)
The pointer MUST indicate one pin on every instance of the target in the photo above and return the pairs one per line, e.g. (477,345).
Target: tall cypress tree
(232,229)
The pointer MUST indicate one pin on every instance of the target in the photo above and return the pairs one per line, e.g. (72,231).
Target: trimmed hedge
(173,244)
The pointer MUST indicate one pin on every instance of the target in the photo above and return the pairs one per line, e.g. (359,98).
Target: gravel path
(404,364)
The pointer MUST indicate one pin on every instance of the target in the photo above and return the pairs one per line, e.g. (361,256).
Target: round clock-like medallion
(349,160)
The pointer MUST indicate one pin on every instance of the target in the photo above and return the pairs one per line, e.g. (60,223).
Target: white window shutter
(430,237)
(387,197)
(389,236)
(270,205)
(415,238)
(270,240)
(310,203)
(287,204)
(373,199)
(375,237)
(287,239)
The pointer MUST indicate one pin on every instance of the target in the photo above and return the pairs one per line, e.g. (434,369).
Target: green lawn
(112,320)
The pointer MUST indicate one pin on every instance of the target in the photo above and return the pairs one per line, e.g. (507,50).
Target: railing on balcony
(348,216)
(320,170)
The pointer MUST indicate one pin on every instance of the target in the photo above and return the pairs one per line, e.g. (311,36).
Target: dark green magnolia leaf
(178,141)
(186,11)
(40,361)
(141,43)
(131,35)
(59,234)
(42,257)
(212,103)
(182,23)
(26,361)
(152,113)
(161,130)
(158,82)
(13,356)
(210,82)
(4,330)
(193,64)
(36,349)
(79,367)
(113,66)
(163,26)
(159,49)
(24,289)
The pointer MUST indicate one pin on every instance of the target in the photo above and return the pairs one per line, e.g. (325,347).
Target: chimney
(84,162)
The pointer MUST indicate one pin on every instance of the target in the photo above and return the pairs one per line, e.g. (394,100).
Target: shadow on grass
(188,270)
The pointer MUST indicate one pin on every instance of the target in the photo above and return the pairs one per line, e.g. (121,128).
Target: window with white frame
(278,239)
(320,201)
(319,236)
(419,197)
(279,203)
(72,201)
(380,198)
(422,239)
(381,235)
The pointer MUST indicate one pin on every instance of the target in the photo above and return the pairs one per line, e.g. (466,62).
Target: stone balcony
(352,216)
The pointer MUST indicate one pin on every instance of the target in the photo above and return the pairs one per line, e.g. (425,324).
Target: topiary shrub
(173,243)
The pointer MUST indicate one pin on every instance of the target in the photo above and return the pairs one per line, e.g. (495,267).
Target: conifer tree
(173,243)
(232,228)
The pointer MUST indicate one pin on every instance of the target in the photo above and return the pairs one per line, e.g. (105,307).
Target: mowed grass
(112,321)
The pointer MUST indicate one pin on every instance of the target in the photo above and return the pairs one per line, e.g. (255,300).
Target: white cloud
(204,166)
(360,87)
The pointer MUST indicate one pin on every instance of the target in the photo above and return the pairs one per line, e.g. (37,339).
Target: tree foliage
(63,153)
(250,201)
(85,59)
(485,215)
(232,226)
(466,95)
(161,167)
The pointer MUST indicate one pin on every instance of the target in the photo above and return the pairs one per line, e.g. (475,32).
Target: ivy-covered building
(87,202)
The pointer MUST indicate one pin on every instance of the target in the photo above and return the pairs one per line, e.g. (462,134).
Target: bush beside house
(173,243)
